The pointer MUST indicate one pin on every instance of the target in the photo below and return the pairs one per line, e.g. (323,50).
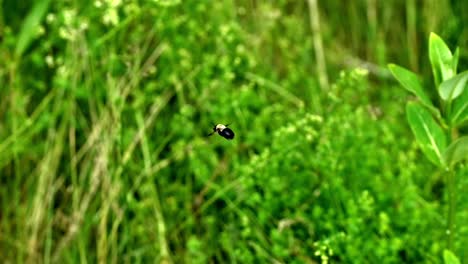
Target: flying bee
(223,131)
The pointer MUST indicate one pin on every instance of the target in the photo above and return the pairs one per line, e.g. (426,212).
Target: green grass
(104,112)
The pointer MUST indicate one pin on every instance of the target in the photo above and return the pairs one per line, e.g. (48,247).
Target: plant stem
(318,46)
(451,210)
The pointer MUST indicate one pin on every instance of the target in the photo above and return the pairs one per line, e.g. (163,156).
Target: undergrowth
(105,107)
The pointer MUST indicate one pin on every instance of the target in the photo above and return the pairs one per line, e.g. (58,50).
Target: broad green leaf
(31,25)
(459,112)
(453,87)
(450,258)
(410,82)
(441,59)
(428,133)
(457,151)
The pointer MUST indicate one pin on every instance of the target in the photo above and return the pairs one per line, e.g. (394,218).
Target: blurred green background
(105,107)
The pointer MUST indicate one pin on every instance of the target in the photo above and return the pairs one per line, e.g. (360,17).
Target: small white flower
(111,17)
(49,60)
(50,18)
(98,3)
(69,16)
(84,26)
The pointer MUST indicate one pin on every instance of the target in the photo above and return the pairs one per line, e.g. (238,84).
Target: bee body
(223,131)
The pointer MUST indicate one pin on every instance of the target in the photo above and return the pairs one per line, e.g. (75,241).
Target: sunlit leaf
(428,133)
(459,111)
(457,151)
(453,87)
(441,59)
(410,82)
(450,258)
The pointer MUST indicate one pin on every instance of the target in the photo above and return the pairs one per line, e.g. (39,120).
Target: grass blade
(30,26)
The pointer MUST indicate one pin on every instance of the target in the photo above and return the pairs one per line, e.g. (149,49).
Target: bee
(223,131)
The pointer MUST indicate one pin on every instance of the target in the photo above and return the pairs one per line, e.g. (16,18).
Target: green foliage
(428,133)
(30,26)
(105,107)
(318,191)
(455,90)
(459,111)
(450,258)
(457,151)
(444,64)
(432,137)
(411,82)
(453,87)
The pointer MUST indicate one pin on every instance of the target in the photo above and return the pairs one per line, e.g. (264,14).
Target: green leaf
(428,133)
(441,59)
(410,82)
(30,26)
(456,57)
(459,112)
(450,258)
(453,87)
(457,151)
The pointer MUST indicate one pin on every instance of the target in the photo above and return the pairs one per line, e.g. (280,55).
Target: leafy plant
(104,109)
(450,258)
(436,127)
